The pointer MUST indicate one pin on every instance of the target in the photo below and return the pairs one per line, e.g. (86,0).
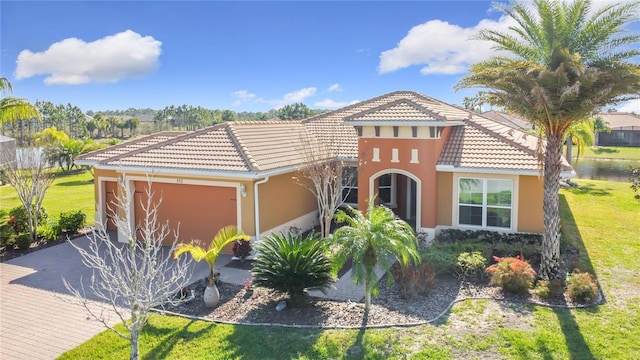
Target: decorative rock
(282,305)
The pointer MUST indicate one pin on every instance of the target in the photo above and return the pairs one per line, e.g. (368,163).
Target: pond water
(605,169)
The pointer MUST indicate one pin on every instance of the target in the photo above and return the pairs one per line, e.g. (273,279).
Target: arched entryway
(400,191)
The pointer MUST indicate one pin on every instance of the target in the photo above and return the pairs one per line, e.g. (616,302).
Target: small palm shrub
(512,274)
(291,265)
(72,221)
(414,279)
(582,287)
(470,266)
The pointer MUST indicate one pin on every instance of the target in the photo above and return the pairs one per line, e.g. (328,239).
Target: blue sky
(243,56)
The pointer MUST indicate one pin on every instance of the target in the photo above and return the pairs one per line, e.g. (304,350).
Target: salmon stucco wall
(531,196)
(445,196)
(423,167)
(283,200)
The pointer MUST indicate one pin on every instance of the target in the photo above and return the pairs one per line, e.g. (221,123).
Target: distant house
(625,130)
(436,165)
(7,150)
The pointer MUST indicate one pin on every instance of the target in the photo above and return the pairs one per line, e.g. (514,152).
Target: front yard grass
(599,218)
(69,192)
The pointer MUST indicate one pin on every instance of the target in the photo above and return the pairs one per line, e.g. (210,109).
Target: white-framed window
(350,185)
(485,202)
(387,190)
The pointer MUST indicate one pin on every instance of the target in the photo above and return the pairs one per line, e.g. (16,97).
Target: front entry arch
(404,193)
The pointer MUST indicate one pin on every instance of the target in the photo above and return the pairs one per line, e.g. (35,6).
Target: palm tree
(581,134)
(563,64)
(14,109)
(375,238)
(224,237)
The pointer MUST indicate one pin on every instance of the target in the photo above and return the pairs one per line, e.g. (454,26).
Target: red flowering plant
(512,274)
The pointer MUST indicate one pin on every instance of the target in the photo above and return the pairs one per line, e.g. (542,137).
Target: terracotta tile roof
(509,120)
(207,149)
(484,144)
(253,147)
(128,146)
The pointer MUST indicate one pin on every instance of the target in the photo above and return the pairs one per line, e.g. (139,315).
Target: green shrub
(470,266)
(526,251)
(512,274)
(414,280)
(582,287)
(49,231)
(549,288)
(7,235)
(72,221)
(21,219)
(291,264)
(23,241)
(456,235)
(442,257)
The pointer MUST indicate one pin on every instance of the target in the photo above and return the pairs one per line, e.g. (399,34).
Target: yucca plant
(292,265)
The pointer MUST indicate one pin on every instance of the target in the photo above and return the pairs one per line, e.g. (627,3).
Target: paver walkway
(37,321)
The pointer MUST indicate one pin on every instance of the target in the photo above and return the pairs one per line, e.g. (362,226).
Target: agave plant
(292,265)
(224,237)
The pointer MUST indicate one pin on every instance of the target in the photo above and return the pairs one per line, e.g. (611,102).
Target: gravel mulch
(258,306)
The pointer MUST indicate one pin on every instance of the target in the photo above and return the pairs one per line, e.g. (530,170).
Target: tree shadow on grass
(74,183)
(588,189)
(172,337)
(602,150)
(577,346)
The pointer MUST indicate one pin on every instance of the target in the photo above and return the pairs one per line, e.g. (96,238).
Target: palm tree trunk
(549,265)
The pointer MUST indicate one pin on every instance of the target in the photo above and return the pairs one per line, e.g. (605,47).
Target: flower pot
(211,296)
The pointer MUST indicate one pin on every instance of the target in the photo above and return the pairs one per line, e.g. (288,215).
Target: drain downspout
(256,207)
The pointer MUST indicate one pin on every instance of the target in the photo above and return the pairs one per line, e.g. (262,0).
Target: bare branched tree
(134,277)
(31,176)
(323,174)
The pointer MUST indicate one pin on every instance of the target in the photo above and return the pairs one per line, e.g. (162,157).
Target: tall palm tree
(375,238)
(563,64)
(14,109)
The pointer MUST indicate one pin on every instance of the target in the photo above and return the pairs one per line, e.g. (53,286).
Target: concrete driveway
(37,318)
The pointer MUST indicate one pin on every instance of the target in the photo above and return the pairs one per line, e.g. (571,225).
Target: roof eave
(218,174)
(528,172)
(403,123)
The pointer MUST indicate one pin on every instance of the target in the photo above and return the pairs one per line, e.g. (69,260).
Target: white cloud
(442,48)
(631,106)
(335,87)
(330,104)
(110,59)
(294,97)
(242,96)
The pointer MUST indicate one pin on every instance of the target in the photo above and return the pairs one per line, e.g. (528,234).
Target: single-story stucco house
(625,129)
(436,165)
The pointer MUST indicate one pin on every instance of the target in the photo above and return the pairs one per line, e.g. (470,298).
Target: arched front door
(399,190)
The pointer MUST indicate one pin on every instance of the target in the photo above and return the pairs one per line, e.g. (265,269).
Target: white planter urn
(211,296)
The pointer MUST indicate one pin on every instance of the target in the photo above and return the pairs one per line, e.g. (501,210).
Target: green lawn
(610,152)
(68,192)
(599,218)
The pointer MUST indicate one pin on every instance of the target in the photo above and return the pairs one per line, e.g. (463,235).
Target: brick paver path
(36,319)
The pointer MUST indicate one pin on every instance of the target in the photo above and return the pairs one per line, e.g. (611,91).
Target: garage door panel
(199,211)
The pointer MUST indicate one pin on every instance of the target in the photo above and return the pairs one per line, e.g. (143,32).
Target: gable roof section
(330,127)
(408,113)
(483,144)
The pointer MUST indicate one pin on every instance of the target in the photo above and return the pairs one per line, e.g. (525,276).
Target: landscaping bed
(390,308)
